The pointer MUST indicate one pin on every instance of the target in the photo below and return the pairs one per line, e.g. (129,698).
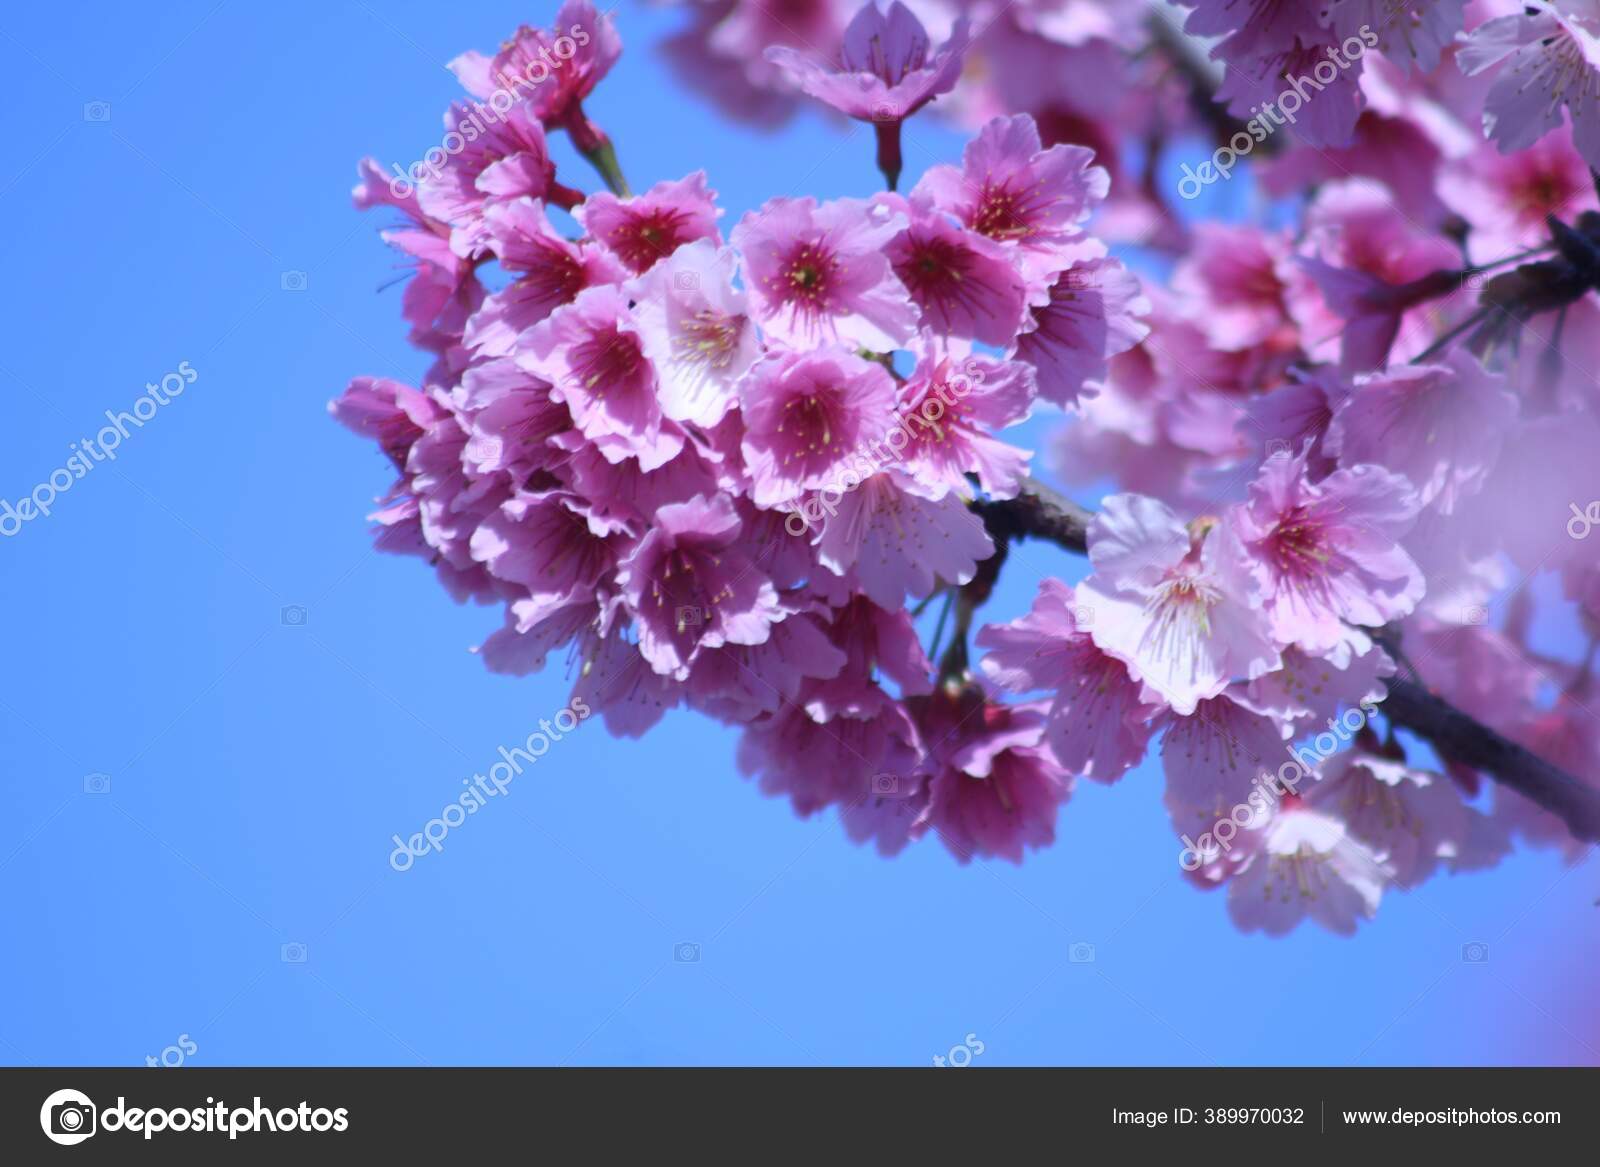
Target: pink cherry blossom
(1414,34)
(1012,190)
(721,52)
(892,539)
(695,329)
(1394,147)
(964,283)
(505,159)
(993,791)
(448,504)
(1088,315)
(870,637)
(625,491)
(1098,723)
(1307,865)
(1330,94)
(1547,60)
(444,295)
(377,189)
(1295,417)
(548,272)
(1314,694)
(854,762)
(1410,819)
(1567,736)
(548,545)
(739,683)
(818,273)
(1254,29)
(1358,286)
(591,353)
(952,410)
(689,588)
(1481,671)
(1328,554)
(1222,755)
(511,419)
(1232,278)
(391,414)
(1441,426)
(619,684)
(806,415)
(1507,196)
(643,230)
(885,71)
(1180,608)
(551,70)
(1544,468)
(532,631)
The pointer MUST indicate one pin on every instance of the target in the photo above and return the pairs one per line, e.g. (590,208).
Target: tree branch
(1040,513)
(1470,742)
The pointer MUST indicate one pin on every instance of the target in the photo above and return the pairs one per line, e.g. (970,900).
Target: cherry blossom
(1306,864)
(992,791)
(1548,60)
(1098,723)
(1328,554)
(1179,605)
(1440,426)
(819,273)
(886,70)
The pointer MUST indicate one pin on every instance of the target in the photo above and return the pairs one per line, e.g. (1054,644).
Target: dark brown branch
(1470,742)
(1040,513)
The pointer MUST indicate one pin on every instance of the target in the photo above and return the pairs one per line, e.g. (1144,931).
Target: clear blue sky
(257,769)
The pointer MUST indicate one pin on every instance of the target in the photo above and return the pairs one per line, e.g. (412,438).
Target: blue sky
(256,769)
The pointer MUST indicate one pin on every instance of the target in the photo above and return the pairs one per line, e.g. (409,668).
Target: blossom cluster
(717,467)
(1376,420)
(645,437)
(1081,68)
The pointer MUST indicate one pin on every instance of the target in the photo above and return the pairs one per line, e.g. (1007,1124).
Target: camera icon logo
(686,281)
(292,616)
(97,783)
(689,616)
(293,953)
(1475,952)
(686,953)
(1083,616)
(1477,614)
(1278,448)
(1081,953)
(292,281)
(884,112)
(885,784)
(484,448)
(68,1117)
(97,111)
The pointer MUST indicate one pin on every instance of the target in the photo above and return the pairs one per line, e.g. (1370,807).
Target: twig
(1037,513)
